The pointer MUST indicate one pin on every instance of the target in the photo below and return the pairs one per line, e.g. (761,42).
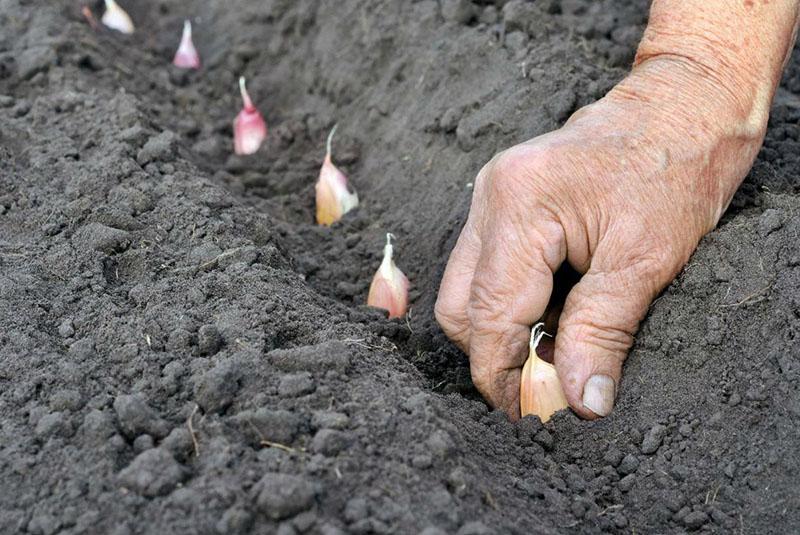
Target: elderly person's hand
(623,193)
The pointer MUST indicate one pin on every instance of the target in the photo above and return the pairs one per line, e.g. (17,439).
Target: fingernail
(598,394)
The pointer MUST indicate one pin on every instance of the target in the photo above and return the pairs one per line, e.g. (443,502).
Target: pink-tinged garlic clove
(89,16)
(116,18)
(186,56)
(249,127)
(334,198)
(540,390)
(389,288)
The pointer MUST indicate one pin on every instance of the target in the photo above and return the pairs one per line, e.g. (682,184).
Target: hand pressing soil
(623,192)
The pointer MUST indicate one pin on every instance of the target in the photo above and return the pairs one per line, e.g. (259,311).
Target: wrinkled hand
(623,192)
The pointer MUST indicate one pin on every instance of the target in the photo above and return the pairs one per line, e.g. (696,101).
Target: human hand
(623,192)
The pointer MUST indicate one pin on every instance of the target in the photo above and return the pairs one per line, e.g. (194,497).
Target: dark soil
(183,351)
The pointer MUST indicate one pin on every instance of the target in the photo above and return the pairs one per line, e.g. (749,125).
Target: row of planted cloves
(389,287)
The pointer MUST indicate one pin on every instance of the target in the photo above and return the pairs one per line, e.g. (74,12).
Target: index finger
(510,290)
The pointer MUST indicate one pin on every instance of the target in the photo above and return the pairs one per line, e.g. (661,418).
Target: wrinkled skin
(623,193)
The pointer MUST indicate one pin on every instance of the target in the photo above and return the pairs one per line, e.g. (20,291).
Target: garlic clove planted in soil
(249,127)
(334,199)
(116,18)
(540,390)
(89,16)
(186,56)
(389,288)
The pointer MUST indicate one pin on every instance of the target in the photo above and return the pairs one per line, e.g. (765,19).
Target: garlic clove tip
(116,18)
(389,287)
(186,57)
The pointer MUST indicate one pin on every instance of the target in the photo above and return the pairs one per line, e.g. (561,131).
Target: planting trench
(182,350)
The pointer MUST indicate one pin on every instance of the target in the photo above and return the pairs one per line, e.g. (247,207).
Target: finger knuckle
(647,265)
(654,266)
(484,309)
(649,242)
(613,338)
(522,177)
(510,170)
(509,162)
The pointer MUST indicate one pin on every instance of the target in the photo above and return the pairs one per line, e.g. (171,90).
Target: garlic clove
(249,127)
(116,18)
(334,199)
(540,391)
(186,57)
(89,16)
(389,288)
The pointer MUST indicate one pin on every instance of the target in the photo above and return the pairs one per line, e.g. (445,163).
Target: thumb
(601,314)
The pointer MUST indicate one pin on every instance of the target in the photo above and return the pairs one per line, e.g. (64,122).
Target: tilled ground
(183,351)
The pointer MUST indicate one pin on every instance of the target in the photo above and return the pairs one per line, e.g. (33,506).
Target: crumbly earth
(183,351)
